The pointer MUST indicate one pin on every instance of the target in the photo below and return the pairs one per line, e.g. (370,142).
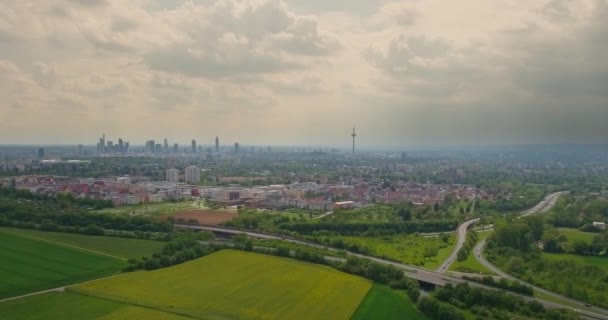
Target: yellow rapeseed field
(239,285)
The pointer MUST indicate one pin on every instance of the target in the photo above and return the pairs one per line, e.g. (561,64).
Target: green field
(577,235)
(157,209)
(385,303)
(119,247)
(406,248)
(55,305)
(29,265)
(471,265)
(601,262)
(233,284)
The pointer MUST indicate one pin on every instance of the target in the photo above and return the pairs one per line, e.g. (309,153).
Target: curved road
(413,272)
(479,256)
(546,204)
(462,237)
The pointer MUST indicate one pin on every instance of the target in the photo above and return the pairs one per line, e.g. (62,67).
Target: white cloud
(431,70)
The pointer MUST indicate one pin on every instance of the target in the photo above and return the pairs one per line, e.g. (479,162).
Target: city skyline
(288,72)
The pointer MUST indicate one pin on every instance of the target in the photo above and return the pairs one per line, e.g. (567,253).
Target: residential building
(172,175)
(193,174)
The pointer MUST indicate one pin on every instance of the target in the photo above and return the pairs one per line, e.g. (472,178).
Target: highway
(413,272)
(462,237)
(546,204)
(478,250)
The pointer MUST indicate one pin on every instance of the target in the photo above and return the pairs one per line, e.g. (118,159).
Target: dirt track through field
(206,217)
(66,245)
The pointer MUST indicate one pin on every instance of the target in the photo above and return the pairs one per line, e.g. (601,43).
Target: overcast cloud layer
(303,72)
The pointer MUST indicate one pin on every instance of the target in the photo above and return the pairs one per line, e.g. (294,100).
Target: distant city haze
(290,72)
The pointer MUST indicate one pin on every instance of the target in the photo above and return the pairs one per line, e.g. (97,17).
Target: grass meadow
(65,305)
(601,262)
(119,247)
(406,248)
(382,302)
(577,235)
(29,265)
(238,285)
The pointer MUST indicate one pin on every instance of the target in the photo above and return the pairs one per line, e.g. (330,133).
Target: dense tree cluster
(183,247)
(516,248)
(23,209)
(490,304)
(468,245)
(354,229)
(503,283)
(579,211)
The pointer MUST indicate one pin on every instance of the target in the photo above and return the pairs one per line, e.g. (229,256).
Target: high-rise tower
(354,134)
(217,144)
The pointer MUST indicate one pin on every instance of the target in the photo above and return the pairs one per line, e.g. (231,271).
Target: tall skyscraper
(175,148)
(166,146)
(193,146)
(217,144)
(121,146)
(80,149)
(354,134)
(40,153)
(172,175)
(193,174)
(103,143)
(236,147)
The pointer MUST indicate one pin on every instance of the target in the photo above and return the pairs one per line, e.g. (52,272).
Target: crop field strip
(74,306)
(30,265)
(382,302)
(232,284)
(122,248)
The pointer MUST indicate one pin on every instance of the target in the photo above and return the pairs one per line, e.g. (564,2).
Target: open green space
(241,285)
(65,305)
(29,265)
(119,247)
(601,262)
(471,264)
(417,250)
(157,209)
(382,302)
(574,235)
(442,253)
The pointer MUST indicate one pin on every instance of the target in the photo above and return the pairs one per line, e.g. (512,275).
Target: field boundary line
(103,297)
(65,244)
(57,289)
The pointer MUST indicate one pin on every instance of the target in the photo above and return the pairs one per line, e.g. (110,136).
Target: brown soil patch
(206,217)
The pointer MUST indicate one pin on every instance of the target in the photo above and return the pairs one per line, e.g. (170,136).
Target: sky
(294,72)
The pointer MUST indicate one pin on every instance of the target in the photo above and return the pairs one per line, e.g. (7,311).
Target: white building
(123,180)
(193,174)
(172,175)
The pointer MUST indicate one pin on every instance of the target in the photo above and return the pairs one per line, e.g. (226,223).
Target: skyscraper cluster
(104,146)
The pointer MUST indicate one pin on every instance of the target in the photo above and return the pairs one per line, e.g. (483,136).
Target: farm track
(65,245)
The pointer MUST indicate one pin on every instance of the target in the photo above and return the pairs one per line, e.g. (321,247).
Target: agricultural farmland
(385,303)
(67,305)
(30,265)
(233,284)
(119,247)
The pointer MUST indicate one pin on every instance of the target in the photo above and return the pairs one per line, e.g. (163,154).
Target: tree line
(485,304)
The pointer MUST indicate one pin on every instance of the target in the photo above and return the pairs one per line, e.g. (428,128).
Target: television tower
(354,134)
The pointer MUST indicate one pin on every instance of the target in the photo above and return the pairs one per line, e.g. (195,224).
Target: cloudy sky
(295,72)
